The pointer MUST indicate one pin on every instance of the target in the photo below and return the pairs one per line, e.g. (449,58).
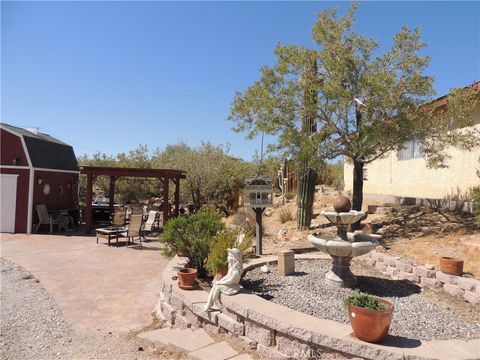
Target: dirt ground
(419,234)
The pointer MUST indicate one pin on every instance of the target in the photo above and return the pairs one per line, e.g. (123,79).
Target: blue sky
(108,76)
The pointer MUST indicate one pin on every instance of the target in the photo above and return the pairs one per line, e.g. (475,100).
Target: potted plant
(186,278)
(369,315)
(192,235)
(217,264)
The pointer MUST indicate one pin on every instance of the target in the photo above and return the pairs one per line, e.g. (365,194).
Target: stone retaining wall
(396,268)
(278,332)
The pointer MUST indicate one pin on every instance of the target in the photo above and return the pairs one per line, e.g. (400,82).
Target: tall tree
(368,103)
(284,102)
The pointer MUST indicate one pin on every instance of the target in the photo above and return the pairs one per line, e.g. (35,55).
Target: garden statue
(230,283)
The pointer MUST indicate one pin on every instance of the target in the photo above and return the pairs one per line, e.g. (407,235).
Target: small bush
(476,202)
(193,235)
(285,215)
(224,240)
(364,301)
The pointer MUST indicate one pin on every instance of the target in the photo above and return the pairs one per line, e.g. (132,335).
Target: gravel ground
(419,313)
(33,327)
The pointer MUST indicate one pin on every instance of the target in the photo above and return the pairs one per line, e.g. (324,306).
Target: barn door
(8,185)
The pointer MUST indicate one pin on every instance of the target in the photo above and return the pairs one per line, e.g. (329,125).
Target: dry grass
(429,249)
(285,215)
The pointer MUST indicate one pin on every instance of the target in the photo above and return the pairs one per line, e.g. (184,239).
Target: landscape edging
(272,329)
(428,276)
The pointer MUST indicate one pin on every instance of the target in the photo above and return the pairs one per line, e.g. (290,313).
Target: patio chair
(44,218)
(150,225)
(119,217)
(134,228)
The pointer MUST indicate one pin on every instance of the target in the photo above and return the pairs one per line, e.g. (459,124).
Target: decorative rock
(268,212)
(446,279)
(472,297)
(380,266)
(392,271)
(342,204)
(467,284)
(422,271)
(282,234)
(389,260)
(402,266)
(453,289)
(286,263)
(369,261)
(291,346)
(402,275)
(430,282)
(429,266)
(181,322)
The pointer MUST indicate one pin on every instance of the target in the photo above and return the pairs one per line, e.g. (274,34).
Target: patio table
(110,233)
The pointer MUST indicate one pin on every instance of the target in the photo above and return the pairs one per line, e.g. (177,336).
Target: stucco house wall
(412,178)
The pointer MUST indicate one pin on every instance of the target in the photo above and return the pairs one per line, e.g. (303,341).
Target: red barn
(35,168)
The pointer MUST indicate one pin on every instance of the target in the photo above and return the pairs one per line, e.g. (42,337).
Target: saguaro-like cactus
(306,175)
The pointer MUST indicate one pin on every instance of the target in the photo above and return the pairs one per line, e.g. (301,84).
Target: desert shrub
(476,202)
(194,235)
(285,215)
(290,195)
(245,219)
(224,240)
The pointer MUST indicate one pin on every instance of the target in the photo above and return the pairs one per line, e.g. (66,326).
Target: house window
(411,150)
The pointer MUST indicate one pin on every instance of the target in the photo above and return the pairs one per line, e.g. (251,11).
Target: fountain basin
(343,218)
(331,244)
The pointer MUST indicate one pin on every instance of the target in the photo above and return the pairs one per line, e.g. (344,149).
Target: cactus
(305,195)
(307,176)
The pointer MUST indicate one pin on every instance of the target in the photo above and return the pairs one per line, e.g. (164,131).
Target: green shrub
(194,235)
(285,215)
(364,301)
(476,202)
(224,240)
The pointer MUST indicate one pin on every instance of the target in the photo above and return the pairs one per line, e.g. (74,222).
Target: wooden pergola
(163,175)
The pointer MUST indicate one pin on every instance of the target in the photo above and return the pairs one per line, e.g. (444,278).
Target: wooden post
(112,193)
(258,230)
(88,210)
(166,205)
(177,196)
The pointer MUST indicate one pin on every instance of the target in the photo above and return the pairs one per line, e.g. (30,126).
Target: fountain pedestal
(340,276)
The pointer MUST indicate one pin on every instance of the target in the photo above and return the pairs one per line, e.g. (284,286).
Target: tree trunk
(305,194)
(357,189)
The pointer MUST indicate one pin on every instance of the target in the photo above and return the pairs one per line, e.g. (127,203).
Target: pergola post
(112,193)
(166,205)
(177,195)
(88,210)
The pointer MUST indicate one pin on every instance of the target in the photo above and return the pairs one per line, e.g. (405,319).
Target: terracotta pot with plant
(186,278)
(369,315)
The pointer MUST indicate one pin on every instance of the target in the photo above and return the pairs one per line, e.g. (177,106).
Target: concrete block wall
(461,286)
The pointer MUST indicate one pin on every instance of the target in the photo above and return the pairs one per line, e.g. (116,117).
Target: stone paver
(95,286)
(180,340)
(217,351)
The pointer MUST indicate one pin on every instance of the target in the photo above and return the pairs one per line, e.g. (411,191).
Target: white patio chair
(44,218)
(149,225)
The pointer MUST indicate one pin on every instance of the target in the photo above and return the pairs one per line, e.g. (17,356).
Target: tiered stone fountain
(345,245)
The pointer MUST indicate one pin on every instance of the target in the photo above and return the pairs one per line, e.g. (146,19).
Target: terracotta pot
(370,325)
(451,266)
(221,272)
(186,277)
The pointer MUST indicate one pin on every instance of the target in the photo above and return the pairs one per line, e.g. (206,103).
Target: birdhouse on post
(258,195)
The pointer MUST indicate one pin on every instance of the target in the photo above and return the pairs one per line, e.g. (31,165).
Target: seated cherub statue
(230,283)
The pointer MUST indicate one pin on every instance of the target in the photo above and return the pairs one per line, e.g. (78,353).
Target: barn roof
(45,151)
